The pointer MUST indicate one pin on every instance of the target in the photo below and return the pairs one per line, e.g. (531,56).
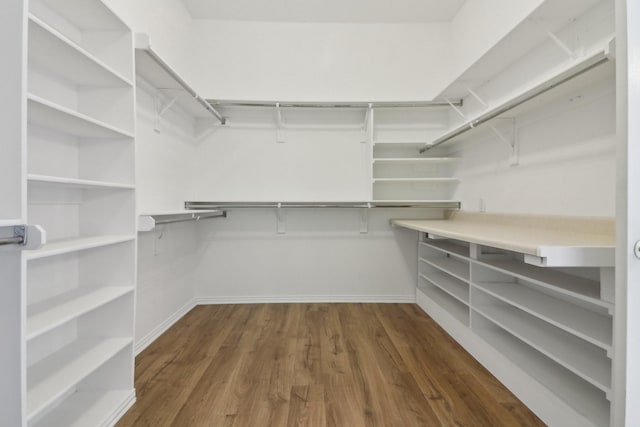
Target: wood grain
(315,365)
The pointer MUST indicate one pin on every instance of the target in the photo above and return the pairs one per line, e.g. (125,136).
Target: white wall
(322,257)
(320,62)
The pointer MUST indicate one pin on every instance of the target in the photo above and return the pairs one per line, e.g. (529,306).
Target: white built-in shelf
(578,356)
(49,314)
(51,115)
(91,15)
(521,100)
(417,180)
(88,408)
(449,265)
(61,56)
(59,247)
(149,221)
(450,304)
(402,144)
(76,183)
(411,161)
(447,246)
(53,377)
(573,286)
(586,399)
(158,73)
(593,327)
(454,287)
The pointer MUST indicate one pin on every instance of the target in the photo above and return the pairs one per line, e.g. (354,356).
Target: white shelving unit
(552,326)
(398,170)
(81,189)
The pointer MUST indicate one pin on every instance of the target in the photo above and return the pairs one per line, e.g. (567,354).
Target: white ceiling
(364,11)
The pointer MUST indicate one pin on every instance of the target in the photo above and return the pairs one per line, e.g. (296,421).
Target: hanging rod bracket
(279,125)
(281,218)
(510,137)
(364,220)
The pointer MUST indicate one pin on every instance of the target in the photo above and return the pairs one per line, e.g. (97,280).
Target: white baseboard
(121,409)
(145,341)
(306,299)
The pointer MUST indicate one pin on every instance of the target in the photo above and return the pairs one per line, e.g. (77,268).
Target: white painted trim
(306,299)
(121,409)
(144,342)
(551,409)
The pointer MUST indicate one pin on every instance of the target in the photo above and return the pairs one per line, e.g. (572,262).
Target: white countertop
(555,240)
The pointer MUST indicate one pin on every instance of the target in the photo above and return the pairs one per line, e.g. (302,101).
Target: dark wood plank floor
(315,365)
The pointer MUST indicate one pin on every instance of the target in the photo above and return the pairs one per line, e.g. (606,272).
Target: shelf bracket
(510,138)
(281,218)
(562,45)
(161,108)
(364,220)
(475,95)
(368,125)
(279,124)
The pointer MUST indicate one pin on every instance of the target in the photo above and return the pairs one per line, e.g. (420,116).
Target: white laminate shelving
(49,314)
(553,324)
(53,116)
(80,182)
(454,287)
(449,265)
(53,377)
(579,394)
(88,408)
(589,325)
(66,246)
(574,286)
(70,61)
(578,356)
(76,183)
(417,180)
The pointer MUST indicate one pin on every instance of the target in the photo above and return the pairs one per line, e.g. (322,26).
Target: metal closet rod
(171,218)
(516,102)
(441,204)
(18,240)
(167,68)
(273,104)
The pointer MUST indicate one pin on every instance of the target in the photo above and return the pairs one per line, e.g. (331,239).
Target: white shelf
(549,81)
(452,266)
(576,287)
(65,246)
(592,327)
(76,183)
(88,408)
(447,247)
(454,287)
(47,315)
(579,394)
(61,56)
(411,160)
(417,180)
(454,307)
(56,375)
(88,14)
(578,356)
(157,72)
(48,114)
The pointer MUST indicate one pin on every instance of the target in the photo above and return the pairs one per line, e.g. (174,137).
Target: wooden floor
(315,365)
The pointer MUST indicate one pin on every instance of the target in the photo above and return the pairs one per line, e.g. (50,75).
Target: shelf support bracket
(364,220)
(161,108)
(562,45)
(368,125)
(279,124)
(281,218)
(475,96)
(511,139)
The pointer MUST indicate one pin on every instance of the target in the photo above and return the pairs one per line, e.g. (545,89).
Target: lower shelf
(94,408)
(53,377)
(579,394)
(453,306)
(64,246)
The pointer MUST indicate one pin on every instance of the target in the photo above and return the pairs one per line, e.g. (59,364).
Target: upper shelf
(568,77)
(546,241)
(159,73)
